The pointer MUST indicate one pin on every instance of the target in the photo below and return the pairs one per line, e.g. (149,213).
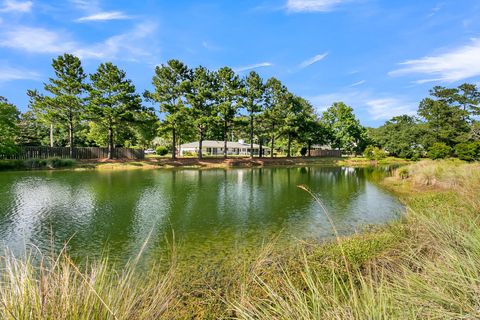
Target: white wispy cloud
(357,83)
(131,45)
(435,9)
(314,5)
(86,5)
(377,106)
(454,65)
(253,66)
(210,46)
(35,40)
(386,108)
(313,60)
(8,73)
(16,6)
(105,16)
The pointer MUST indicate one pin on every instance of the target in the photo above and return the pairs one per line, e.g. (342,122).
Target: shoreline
(194,163)
(230,163)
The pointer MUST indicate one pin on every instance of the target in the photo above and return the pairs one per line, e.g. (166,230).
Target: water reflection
(214,209)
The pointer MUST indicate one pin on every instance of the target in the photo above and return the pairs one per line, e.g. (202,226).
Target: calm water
(208,211)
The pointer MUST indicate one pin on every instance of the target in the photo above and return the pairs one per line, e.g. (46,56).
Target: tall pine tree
(113,100)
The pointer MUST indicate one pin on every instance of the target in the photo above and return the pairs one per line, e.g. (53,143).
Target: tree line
(196,104)
(446,124)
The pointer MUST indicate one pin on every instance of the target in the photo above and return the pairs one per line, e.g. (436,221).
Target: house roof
(220,144)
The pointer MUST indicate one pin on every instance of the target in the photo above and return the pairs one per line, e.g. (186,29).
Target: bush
(403,173)
(189,154)
(468,151)
(303,151)
(11,164)
(374,153)
(53,163)
(34,163)
(50,163)
(161,150)
(439,150)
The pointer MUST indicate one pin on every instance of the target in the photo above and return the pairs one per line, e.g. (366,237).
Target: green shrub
(403,173)
(189,154)
(303,151)
(374,153)
(53,163)
(161,150)
(11,164)
(439,150)
(34,163)
(468,151)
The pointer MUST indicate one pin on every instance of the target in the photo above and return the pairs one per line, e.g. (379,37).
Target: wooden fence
(81,153)
(326,153)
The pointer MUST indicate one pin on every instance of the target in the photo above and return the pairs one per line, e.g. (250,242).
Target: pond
(205,211)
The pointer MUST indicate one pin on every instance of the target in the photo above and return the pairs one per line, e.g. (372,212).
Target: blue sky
(381,57)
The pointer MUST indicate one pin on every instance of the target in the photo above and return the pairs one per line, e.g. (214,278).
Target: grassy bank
(430,269)
(425,266)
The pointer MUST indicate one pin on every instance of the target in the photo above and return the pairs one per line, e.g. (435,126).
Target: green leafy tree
(469,98)
(439,150)
(465,97)
(227,97)
(345,130)
(468,151)
(445,123)
(32,132)
(297,111)
(200,97)
(145,127)
(170,84)
(474,133)
(254,97)
(8,127)
(262,132)
(311,132)
(66,104)
(401,136)
(374,153)
(276,99)
(113,100)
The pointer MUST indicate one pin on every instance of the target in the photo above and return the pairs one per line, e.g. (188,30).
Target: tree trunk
(70,137)
(289,144)
(273,140)
(225,133)
(174,146)
(200,143)
(51,135)
(309,148)
(251,135)
(260,150)
(110,142)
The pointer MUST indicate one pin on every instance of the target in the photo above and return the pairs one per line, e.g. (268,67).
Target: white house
(212,148)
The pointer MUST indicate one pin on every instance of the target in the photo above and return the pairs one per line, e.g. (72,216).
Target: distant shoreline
(206,163)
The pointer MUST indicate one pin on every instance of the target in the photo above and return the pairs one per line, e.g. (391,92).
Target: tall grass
(432,273)
(57,288)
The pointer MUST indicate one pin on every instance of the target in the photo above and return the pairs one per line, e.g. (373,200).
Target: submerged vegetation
(425,266)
